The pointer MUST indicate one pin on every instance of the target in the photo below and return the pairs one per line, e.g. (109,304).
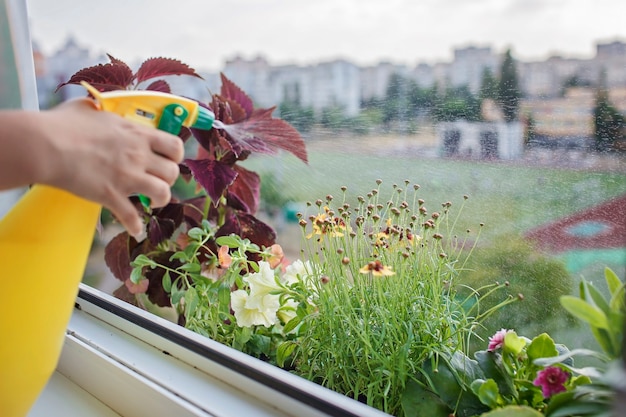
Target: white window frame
(138,364)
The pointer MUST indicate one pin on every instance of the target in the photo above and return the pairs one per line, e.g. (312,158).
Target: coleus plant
(227,194)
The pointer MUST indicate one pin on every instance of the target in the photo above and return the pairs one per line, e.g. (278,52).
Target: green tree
(529,133)
(608,122)
(488,86)
(395,103)
(420,100)
(332,118)
(508,89)
(457,103)
(302,118)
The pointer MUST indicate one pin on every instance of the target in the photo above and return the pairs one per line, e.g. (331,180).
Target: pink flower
(551,380)
(497,340)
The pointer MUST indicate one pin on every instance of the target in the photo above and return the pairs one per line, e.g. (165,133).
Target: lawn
(507,198)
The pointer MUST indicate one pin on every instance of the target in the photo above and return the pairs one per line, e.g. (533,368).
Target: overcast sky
(205,33)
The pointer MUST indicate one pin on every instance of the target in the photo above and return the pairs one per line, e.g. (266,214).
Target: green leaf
(492,367)
(142,260)
(598,299)
(584,311)
(562,358)
(191,267)
(167,282)
(513,343)
(292,324)
(191,301)
(176,295)
(230,241)
(603,337)
(451,381)
(617,301)
(180,256)
(284,350)
(612,281)
(579,407)
(513,411)
(616,324)
(196,233)
(417,401)
(136,275)
(223,295)
(541,346)
(242,336)
(488,392)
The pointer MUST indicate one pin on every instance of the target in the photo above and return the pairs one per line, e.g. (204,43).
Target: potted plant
(372,300)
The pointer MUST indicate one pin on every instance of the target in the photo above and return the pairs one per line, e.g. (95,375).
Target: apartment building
(340,83)
(375,79)
(326,84)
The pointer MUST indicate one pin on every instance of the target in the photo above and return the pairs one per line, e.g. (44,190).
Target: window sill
(121,360)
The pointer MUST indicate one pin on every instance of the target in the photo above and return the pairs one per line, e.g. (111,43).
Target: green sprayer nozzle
(205,119)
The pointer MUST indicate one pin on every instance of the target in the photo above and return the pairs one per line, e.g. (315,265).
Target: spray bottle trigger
(172,118)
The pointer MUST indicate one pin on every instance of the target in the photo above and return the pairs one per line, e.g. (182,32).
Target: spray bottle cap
(205,119)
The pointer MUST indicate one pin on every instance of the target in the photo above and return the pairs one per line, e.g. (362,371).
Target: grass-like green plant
(387,302)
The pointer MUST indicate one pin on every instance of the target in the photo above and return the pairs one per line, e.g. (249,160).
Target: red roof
(599,227)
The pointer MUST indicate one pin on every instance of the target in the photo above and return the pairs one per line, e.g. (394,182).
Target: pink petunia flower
(497,340)
(551,380)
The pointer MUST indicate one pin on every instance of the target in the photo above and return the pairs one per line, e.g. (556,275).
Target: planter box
(138,364)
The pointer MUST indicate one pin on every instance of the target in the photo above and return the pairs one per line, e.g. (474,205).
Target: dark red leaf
(212,175)
(231,91)
(117,255)
(184,134)
(156,293)
(159,85)
(265,134)
(114,60)
(160,67)
(123,294)
(104,77)
(193,211)
(164,222)
(228,110)
(159,230)
(248,227)
(247,188)
(235,203)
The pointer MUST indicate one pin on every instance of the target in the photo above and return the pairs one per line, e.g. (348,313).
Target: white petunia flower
(263,282)
(297,271)
(257,310)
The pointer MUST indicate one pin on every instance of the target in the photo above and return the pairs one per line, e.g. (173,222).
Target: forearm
(25,151)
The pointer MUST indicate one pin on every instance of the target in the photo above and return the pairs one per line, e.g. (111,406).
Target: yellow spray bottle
(44,244)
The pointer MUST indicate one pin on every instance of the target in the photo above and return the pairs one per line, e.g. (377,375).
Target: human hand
(105,158)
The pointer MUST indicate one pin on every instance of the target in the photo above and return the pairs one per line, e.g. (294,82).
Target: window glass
(525,140)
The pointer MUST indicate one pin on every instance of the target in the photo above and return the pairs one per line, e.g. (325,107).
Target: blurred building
(568,120)
(480,140)
(558,93)
(58,68)
(323,85)
(375,79)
